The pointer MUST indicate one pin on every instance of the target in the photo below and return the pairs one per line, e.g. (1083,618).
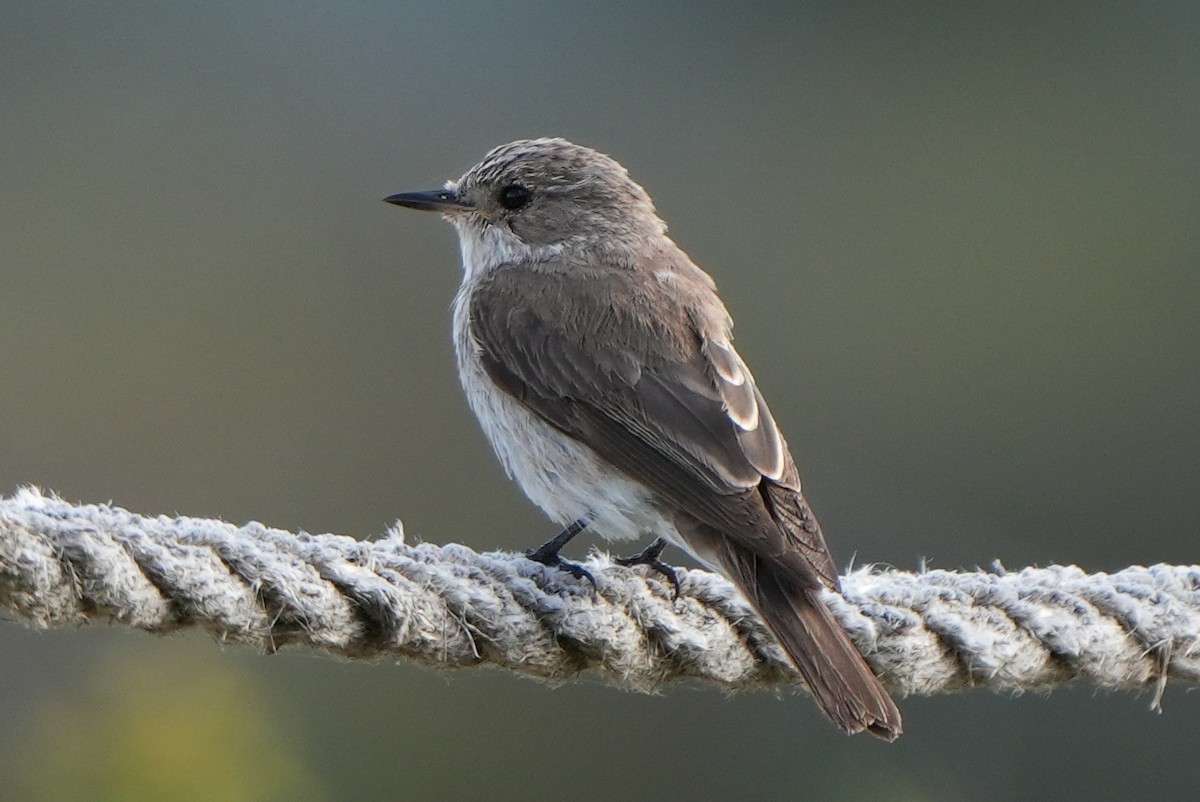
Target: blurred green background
(961,241)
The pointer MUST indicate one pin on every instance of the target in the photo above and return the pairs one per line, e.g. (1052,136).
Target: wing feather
(668,404)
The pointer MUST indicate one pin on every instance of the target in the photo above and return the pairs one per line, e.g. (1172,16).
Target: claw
(547,553)
(649,556)
(550,558)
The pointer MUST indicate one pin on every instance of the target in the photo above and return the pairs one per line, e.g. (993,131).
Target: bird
(599,361)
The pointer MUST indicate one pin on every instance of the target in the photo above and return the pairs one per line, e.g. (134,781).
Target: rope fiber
(63,564)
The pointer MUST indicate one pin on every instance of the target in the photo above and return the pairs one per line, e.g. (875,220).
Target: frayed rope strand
(932,632)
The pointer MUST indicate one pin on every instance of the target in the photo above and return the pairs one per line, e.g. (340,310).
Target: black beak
(438,200)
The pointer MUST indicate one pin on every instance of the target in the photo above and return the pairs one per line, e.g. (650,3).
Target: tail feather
(842,683)
(787,597)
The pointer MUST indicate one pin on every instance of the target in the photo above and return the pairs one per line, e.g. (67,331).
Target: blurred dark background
(961,241)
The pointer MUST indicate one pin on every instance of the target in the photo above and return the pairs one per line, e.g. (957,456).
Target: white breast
(559,474)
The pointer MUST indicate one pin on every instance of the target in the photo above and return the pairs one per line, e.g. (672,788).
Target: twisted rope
(932,632)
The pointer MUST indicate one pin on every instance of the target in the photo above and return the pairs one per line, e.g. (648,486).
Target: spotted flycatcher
(600,363)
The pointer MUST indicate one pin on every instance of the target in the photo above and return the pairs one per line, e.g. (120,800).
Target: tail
(844,686)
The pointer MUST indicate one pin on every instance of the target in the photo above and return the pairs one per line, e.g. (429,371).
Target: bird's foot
(649,556)
(548,552)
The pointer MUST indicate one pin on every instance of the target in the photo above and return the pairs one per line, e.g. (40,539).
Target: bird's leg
(547,553)
(649,556)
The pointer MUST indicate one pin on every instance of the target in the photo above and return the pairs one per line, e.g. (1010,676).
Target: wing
(654,393)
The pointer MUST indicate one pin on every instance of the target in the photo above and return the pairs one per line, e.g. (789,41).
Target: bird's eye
(514,196)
